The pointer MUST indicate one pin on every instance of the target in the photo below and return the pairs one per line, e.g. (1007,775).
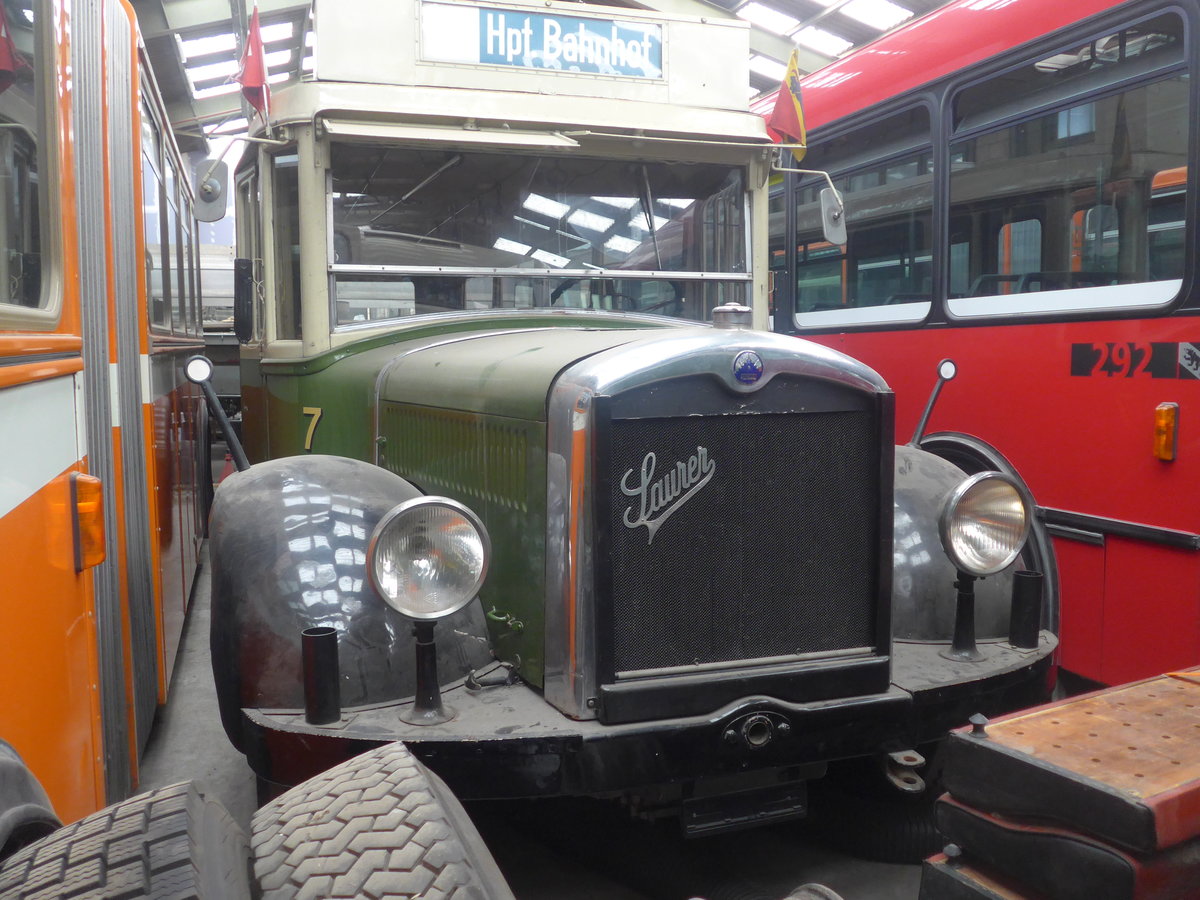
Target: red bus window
(885,270)
(1067,199)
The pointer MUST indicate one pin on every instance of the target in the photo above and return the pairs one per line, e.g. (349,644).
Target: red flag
(786,122)
(252,75)
(10,59)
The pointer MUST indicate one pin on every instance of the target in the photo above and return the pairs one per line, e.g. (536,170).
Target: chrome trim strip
(1075,534)
(552,313)
(541,273)
(130,379)
(87,63)
(763,662)
(1169,537)
(30,358)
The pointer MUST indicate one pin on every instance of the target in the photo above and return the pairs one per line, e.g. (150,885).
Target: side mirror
(833,216)
(212,176)
(243,300)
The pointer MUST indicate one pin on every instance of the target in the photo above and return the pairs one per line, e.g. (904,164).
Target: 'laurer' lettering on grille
(657,499)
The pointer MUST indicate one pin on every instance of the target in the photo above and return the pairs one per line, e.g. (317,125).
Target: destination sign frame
(516,38)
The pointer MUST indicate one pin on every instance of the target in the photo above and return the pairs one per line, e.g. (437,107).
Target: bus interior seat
(987,285)
(1057,281)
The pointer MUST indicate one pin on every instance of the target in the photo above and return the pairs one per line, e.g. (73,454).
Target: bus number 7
(315,412)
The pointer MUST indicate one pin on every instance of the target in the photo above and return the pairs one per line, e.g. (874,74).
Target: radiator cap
(732,315)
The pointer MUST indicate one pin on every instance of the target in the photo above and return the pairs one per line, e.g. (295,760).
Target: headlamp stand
(427,708)
(962,647)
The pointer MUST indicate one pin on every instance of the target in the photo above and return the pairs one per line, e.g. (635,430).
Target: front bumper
(507,742)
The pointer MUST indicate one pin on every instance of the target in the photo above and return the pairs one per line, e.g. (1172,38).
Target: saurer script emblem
(658,498)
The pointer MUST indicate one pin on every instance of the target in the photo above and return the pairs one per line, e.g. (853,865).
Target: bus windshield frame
(419,231)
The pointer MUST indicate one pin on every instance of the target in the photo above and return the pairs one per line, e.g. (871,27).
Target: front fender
(288,545)
(923,593)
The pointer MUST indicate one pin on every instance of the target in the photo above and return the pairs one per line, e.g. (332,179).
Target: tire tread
(167,844)
(378,825)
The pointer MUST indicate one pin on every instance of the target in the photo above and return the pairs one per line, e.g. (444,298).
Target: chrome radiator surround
(582,677)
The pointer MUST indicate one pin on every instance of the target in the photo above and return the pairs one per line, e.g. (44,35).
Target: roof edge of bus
(948,40)
(302,103)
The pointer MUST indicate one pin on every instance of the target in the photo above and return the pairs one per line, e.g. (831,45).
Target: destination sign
(534,40)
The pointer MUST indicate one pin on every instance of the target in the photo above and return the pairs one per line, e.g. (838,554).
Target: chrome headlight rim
(951,506)
(405,508)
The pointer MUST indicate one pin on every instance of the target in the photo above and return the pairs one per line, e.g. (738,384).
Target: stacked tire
(379,825)
(169,843)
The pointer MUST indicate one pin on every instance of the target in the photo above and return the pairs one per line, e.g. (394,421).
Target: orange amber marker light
(1166,429)
(87,507)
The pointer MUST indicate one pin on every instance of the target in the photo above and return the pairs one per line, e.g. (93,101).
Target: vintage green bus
(502,268)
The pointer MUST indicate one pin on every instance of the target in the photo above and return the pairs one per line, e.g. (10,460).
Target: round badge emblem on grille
(747,367)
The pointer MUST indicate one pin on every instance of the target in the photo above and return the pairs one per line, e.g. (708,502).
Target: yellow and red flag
(786,122)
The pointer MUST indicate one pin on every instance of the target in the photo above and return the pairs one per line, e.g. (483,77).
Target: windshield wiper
(448,164)
(647,200)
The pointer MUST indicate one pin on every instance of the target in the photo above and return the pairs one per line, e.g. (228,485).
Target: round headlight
(984,523)
(428,557)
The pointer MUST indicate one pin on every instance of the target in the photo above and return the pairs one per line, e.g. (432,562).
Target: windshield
(422,231)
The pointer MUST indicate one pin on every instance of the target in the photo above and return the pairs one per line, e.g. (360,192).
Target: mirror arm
(946,371)
(821,172)
(202,378)
(775,167)
(840,209)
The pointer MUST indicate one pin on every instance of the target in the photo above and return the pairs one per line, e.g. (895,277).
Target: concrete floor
(548,852)
(187,741)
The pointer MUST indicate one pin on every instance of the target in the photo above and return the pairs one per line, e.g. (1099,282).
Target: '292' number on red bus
(1121,359)
(1125,359)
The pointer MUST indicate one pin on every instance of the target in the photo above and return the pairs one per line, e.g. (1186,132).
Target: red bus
(103,449)
(1020,197)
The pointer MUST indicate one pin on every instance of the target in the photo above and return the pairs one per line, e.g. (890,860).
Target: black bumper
(507,742)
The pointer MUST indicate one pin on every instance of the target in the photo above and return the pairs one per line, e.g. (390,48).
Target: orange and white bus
(103,457)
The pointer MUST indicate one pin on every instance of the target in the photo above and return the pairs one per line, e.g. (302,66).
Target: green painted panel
(497,466)
(342,395)
(504,374)
(501,365)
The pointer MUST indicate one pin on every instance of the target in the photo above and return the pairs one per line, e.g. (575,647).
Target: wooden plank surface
(1142,739)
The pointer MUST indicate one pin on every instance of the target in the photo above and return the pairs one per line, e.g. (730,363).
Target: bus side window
(155,223)
(1066,198)
(1165,233)
(885,270)
(21,178)
(287,247)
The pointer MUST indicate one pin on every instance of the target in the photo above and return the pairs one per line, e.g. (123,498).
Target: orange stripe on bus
(52,655)
(16,345)
(11,376)
(155,553)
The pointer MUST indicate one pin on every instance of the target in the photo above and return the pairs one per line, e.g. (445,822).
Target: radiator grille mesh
(774,556)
